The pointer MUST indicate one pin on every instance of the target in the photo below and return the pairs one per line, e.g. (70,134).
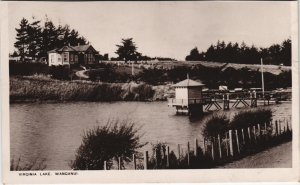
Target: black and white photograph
(165,86)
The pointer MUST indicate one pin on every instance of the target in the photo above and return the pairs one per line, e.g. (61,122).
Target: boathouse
(188,97)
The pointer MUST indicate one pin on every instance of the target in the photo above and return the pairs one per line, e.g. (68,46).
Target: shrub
(26,68)
(216,124)
(106,143)
(143,91)
(60,72)
(36,164)
(250,117)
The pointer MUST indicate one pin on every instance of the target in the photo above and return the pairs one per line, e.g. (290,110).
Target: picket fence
(223,147)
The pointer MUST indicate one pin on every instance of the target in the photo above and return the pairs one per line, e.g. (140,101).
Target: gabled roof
(188,83)
(66,48)
(81,47)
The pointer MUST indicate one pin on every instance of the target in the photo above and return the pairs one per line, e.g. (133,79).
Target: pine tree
(22,39)
(34,38)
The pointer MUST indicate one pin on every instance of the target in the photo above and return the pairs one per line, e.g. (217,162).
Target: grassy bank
(41,88)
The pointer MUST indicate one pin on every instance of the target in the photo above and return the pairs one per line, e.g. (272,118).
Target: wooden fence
(221,148)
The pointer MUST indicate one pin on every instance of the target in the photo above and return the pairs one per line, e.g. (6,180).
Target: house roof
(80,48)
(188,83)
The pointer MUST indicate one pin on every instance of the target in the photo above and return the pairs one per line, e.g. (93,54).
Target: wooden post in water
(146,160)
(188,153)
(168,156)
(134,161)
(105,166)
(119,163)
(237,141)
(230,143)
(220,148)
(243,136)
(196,148)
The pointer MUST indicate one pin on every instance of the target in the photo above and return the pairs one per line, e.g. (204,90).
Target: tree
(194,55)
(127,50)
(22,39)
(34,39)
(107,143)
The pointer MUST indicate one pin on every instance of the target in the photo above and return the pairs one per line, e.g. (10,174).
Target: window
(52,58)
(71,57)
(65,57)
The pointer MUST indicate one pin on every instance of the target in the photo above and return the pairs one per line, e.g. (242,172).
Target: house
(188,97)
(68,55)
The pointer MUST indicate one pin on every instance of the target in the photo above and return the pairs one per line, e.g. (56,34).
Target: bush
(250,117)
(216,124)
(60,72)
(106,143)
(36,164)
(26,68)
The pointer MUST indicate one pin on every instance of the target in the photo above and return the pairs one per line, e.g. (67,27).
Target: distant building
(68,55)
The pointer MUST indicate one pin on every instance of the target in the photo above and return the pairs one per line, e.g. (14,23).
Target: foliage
(36,164)
(247,118)
(34,40)
(25,69)
(234,53)
(60,72)
(107,143)
(127,50)
(215,124)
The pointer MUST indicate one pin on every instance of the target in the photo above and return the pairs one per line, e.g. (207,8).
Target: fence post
(188,153)
(254,132)
(279,127)
(105,166)
(243,136)
(258,130)
(168,156)
(134,161)
(226,144)
(237,140)
(276,128)
(119,163)
(204,147)
(178,151)
(196,148)
(230,143)
(146,160)
(220,149)
(212,149)
(249,134)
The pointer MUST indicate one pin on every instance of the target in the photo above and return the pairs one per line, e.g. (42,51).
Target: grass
(36,88)
(36,164)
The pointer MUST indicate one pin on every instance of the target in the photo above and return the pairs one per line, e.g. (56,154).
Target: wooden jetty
(190,98)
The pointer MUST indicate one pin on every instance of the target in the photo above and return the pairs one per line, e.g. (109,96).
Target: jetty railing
(214,150)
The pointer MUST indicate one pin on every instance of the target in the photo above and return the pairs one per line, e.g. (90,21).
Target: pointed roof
(82,47)
(66,48)
(188,83)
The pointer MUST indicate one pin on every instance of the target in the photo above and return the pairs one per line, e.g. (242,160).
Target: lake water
(54,131)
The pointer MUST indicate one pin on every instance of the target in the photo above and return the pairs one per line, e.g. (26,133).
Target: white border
(130,176)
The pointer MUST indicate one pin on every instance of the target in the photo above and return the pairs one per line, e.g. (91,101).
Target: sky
(163,29)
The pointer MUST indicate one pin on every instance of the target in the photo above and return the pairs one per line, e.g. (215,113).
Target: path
(276,157)
(81,74)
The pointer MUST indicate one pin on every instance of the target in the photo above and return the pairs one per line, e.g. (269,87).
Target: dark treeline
(241,53)
(34,39)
